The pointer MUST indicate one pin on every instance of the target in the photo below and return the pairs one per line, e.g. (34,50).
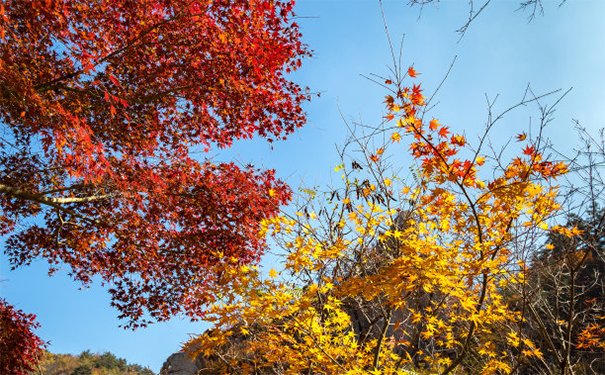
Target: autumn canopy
(102,104)
(109,112)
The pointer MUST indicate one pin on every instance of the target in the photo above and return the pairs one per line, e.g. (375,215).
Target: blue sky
(500,55)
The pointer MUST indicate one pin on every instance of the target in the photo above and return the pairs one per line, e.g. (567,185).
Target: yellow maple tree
(388,276)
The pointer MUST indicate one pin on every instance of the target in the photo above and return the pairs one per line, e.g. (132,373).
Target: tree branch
(54,202)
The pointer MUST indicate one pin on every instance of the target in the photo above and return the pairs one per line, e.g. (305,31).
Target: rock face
(179,364)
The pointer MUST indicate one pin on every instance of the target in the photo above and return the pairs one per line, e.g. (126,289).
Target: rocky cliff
(180,364)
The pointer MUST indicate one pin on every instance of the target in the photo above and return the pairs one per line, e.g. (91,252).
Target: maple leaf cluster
(20,348)
(102,104)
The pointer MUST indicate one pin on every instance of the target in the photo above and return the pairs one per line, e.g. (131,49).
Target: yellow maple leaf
(273,273)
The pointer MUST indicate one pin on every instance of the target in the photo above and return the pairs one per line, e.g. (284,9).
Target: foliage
(20,348)
(102,105)
(567,299)
(88,363)
(82,370)
(563,299)
(383,275)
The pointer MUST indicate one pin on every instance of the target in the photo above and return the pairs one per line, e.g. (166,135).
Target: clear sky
(500,55)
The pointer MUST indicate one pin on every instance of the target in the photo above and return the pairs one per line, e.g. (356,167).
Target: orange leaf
(458,140)
(443,132)
(529,150)
(412,72)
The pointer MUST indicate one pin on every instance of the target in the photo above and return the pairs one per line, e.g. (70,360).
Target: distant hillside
(88,363)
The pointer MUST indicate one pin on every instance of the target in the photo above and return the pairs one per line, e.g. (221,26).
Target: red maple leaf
(529,150)
(443,132)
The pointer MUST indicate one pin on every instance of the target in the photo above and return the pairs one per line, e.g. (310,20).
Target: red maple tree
(102,104)
(20,348)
